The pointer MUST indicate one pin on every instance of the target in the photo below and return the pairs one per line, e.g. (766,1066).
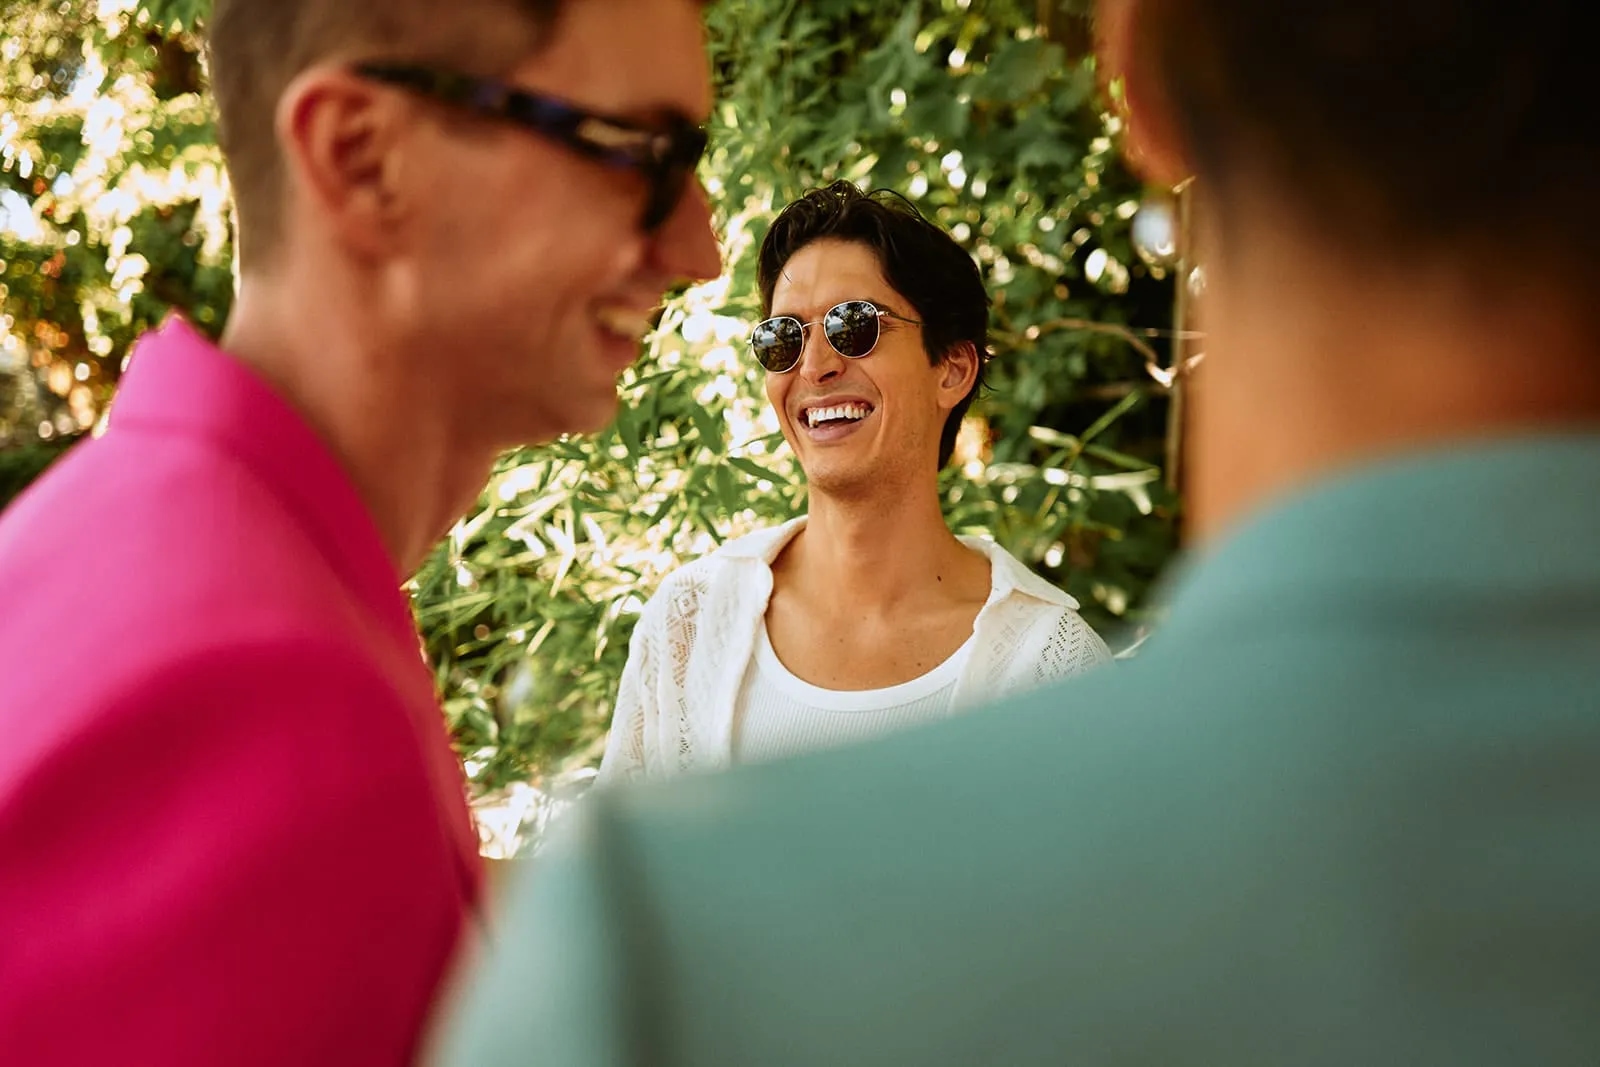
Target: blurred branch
(1180,361)
(1070,24)
(1164,377)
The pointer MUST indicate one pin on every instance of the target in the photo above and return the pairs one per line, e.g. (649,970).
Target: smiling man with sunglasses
(232,830)
(867,614)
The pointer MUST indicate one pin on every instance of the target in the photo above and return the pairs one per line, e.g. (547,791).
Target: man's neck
(406,462)
(882,553)
(1313,366)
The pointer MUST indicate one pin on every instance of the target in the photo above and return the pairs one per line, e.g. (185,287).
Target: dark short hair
(1447,124)
(919,260)
(257,47)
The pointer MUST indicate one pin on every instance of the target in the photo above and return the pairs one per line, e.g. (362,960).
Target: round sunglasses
(852,328)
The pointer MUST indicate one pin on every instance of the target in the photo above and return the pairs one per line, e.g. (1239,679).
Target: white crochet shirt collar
(1006,574)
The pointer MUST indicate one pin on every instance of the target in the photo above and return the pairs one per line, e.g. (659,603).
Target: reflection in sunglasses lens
(777,343)
(852,328)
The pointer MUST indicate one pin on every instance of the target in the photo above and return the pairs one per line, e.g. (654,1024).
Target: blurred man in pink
(231,826)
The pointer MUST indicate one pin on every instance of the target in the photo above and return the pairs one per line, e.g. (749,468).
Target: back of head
(919,260)
(257,47)
(1463,127)
(1388,204)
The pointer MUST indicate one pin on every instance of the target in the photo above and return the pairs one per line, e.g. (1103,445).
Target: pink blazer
(232,830)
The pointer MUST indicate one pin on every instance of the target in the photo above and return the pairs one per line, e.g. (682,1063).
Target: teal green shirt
(1344,809)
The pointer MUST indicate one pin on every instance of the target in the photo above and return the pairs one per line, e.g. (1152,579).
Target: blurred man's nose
(686,245)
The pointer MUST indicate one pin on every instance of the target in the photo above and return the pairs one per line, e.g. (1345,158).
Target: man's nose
(819,360)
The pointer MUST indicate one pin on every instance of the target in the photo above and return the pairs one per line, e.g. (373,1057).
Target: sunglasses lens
(666,189)
(670,177)
(852,328)
(777,343)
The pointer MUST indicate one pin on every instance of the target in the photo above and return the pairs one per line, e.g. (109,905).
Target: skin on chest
(845,650)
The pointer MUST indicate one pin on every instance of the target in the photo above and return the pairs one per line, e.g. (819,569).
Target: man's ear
(342,139)
(957,371)
(1150,137)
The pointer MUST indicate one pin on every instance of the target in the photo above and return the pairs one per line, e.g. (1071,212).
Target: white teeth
(815,417)
(623,322)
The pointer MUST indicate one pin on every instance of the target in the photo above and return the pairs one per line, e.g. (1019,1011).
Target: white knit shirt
(781,715)
(687,660)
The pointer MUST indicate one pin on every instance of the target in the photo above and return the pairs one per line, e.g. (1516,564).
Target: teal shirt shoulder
(1343,809)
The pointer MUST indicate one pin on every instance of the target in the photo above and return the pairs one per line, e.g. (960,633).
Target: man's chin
(541,424)
(840,481)
(589,415)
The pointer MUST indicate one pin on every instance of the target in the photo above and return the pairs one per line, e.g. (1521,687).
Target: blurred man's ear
(1150,136)
(341,138)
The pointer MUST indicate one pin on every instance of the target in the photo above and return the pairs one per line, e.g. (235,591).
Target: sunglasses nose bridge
(819,361)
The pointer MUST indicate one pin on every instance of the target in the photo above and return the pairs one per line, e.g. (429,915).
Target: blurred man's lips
(626,323)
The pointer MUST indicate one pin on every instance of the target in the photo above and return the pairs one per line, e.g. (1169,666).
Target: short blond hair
(257,47)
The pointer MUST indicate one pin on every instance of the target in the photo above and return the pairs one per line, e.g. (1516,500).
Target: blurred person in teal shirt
(1345,807)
